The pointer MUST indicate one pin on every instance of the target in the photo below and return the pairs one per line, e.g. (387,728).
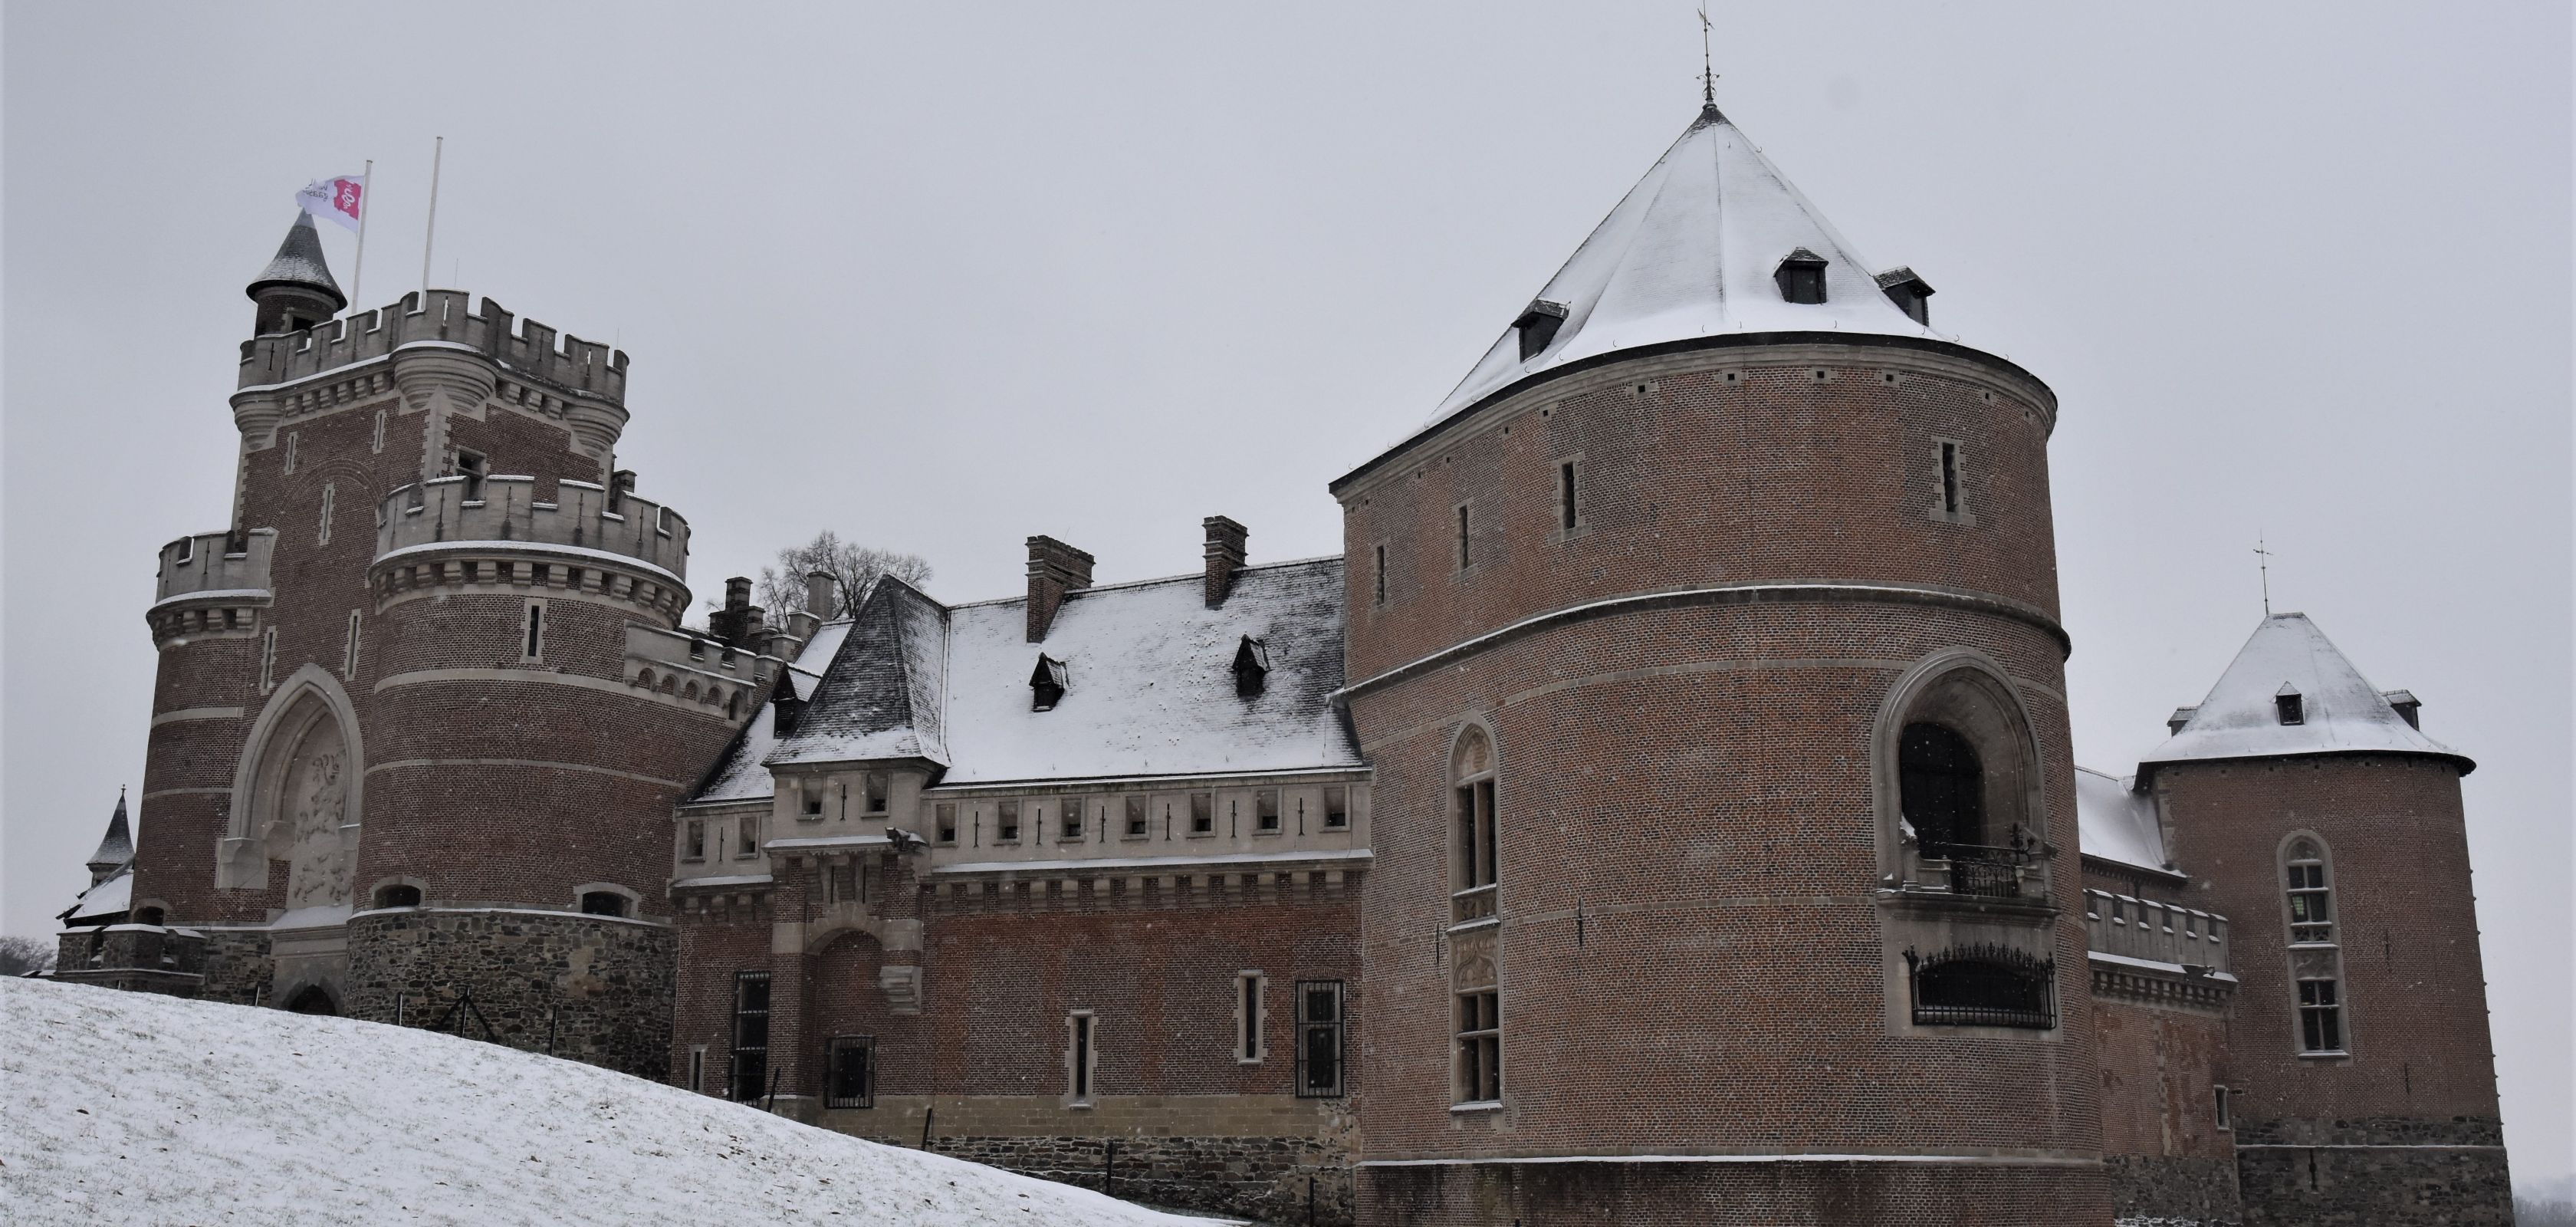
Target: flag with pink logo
(341,198)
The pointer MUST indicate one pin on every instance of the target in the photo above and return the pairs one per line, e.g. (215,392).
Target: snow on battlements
(531,350)
(583,517)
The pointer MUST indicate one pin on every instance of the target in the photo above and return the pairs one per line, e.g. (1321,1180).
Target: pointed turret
(116,850)
(2290,692)
(296,290)
(1714,240)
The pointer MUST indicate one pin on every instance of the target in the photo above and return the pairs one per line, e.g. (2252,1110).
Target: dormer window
(1251,665)
(2406,704)
(1911,294)
(1537,327)
(1802,277)
(1047,683)
(2293,708)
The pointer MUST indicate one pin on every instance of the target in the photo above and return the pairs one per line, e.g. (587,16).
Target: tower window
(746,837)
(1538,326)
(377,444)
(330,494)
(1319,1039)
(1202,813)
(1950,478)
(2320,1017)
(268,660)
(875,786)
(1265,810)
(750,1035)
(1801,277)
(694,844)
(2290,705)
(2311,899)
(289,467)
(1466,546)
(1565,492)
(1079,1062)
(1477,858)
(471,466)
(532,637)
(1479,1075)
(1069,820)
(1380,577)
(349,649)
(1247,1017)
(2219,1109)
(1337,806)
(1941,788)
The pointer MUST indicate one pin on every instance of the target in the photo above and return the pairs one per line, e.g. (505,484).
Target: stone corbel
(240,864)
(902,987)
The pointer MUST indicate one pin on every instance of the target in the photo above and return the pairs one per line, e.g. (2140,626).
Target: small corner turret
(116,849)
(296,290)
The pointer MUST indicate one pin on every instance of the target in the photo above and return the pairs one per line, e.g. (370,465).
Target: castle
(1663,809)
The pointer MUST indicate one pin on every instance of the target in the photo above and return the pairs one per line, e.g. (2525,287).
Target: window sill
(1080,1105)
(1481,1105)
(1247,1060)
(2314,946)
(1273,832)
(1481,922)
(2336,1054)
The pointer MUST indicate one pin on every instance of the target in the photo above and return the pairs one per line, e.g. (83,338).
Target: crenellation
(436,511)
(537,353)
(216,562)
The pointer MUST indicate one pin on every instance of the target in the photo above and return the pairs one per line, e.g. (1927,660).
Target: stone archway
(297,795)
(313,1000)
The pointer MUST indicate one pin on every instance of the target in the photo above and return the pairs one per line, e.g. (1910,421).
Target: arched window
(398,894)
(2311,894)
(2316,961)
(1942,788)
(603,903)
(1477,860)
(1983,986)
(148,915)
(1475,988)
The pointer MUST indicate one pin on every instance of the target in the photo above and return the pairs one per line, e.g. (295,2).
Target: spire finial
(1707,65)
(2263,563)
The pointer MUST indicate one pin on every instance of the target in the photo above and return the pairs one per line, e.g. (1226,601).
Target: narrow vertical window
(532,638)
(849,1072)
(268,660)
(877,787)
(1202,813)
(1950,479)
(1006,823)
(470,466)
(945,815)
(747,836)
(1136,816)
(697,1052)
(1565,495)
(1474,850)
(693,844)
(1337,806)
(750,1036)
(1466,548)
(290,452)
(2320,1016)
(1480,1047)
(2311,900)
(1265,810)
(377,444)
(1319,1039)
(1079,1061)
(349,650)
(1068,818)
(1380,577)
(2225,1122)
(330,492)
(1247,1017)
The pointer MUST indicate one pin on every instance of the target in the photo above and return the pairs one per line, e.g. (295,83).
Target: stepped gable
(299,262)
(1693,251)
(2116,823)
(880,696)
(2341,712)
(738,774)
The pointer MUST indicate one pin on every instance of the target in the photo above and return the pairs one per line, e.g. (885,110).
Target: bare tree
(20,955)
(853,567)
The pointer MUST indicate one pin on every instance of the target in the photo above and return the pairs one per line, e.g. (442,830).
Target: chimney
(739,619)
(1056,570)
(818,594)
(1224,556)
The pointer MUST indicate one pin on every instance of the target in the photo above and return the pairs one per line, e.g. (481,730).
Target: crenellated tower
(402,750)
(1705,646)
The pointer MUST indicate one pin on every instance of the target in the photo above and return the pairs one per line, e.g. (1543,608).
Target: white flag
(341,199)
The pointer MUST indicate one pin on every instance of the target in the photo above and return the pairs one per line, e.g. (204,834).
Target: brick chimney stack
(1055,570)
(818,594)
(739,620)
(1225,540)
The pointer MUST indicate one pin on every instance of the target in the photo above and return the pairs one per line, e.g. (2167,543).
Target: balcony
(1982,872)
(583,520)
(2153,931)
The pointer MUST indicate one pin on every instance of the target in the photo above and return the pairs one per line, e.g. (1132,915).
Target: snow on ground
(129,1108)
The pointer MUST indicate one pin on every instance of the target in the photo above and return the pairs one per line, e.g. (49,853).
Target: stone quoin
(1663,809)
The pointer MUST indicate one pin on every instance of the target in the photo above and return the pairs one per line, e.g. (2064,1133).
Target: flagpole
(436,153)
(366,205)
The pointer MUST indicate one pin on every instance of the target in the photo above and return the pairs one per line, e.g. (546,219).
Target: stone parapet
(582,516)
(216,563)
(442,319)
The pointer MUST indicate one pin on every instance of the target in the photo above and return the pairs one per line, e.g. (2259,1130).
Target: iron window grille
(1320,1072)
(750,1036)
(1983,986)
(850,1072)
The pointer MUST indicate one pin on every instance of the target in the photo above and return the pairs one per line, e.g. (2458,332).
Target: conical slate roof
(2340,711)
(1691,252)
(299,262)
(118,846)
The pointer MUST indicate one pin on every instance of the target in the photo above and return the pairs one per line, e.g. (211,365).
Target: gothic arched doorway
(313,1000)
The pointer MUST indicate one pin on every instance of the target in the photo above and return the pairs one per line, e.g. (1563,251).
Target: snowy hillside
(127,1108)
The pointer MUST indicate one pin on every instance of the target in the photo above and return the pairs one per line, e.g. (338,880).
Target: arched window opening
(603,903)
(1477,859)
(1983,986)
(148,916)
(398,894)
(313,1000)
(1943,788)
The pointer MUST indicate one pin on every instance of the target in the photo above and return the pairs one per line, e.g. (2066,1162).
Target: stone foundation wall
(1264,1178)
(598,987)
(1793,1194)
(2379,1171)
(2150,1191)
(238,968)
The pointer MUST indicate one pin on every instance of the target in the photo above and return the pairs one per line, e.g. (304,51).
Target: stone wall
(1265,1178)
(2162,1191)
(2392,1186)
(600,987)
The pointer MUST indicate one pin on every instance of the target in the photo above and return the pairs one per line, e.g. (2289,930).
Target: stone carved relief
(1471,959)
(1474,757)
(303,809)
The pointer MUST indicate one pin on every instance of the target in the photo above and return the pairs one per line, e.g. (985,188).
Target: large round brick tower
(1705,647)
(2311,809)
(403,760)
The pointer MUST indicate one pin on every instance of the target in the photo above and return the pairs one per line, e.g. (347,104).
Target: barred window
(750,1036)
(849,1072)
(1319,1039)
(1983,986)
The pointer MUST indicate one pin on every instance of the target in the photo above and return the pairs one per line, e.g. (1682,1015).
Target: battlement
(216,562)
(531,350)
(583,517)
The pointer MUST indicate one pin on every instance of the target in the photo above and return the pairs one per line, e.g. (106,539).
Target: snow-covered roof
(1691,252)
(1151,689)
(299,262)
(117,846)
(111,898)
(738,776)
(2340,711)
(2115,823)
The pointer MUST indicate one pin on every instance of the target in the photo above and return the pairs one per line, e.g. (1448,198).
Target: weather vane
(1707,66)
(2263,564)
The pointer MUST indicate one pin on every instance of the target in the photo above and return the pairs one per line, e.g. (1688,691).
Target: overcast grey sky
(941,277)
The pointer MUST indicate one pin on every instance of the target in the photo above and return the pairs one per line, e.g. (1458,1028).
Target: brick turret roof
(1691,252)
